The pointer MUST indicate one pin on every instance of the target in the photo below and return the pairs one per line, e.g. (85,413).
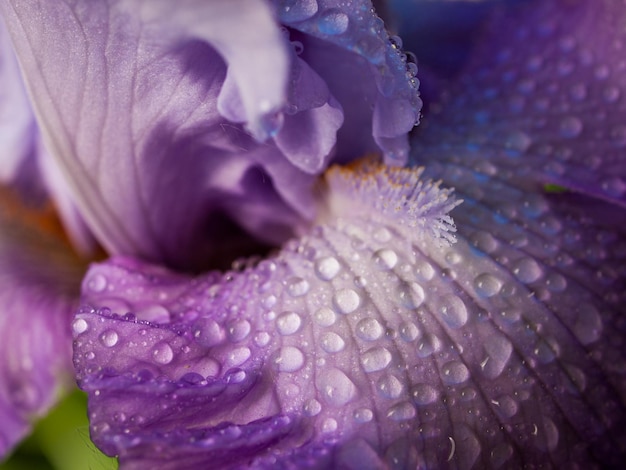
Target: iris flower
(457,306)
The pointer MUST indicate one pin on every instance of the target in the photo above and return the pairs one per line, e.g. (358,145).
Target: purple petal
(370,340)
(546,84)
(346,43)
(39,280)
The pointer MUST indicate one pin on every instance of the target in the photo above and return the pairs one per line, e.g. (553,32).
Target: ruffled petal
(370,342)
(39,283)
(346,43)
(546,84)
(138,135)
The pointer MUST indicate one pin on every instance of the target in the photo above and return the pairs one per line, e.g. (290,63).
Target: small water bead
(424,394)
(401,412)
(389,386)
(297,287)
(555,282)
(424,270)
(410,295)
(375,359)
(484,241)
(109,338)
(363,415)
(239,330)
(297,10)
(288,323)
(427,345)
(571,127)
(238,356)
(325,317)
(207,332)
(155,314)
(346,301)
(409,332)
(615,186)
(385,259)
(312,407)
(79,326)
(499,350)
(360,282)
(333,22)
(327,268)
(269,301)
(527,270)
(262,339)
(369,329)
(588,325)
(329,425)
(546,350)
(336,387)
(506,406)
(162,353)
(454,372)
(97,283)
(382,235)
(332,342)
(288,359)
(487,285)
(517,142)
(453,311)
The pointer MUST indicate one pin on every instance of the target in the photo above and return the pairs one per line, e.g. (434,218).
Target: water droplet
(79,326)
(288,323)
(333,22)
(97,283)
(382,235)
(346,301)
(289,359)
(336,387)
(332,342)
(375,359)
(499,350)
(389,386)
(454,372)
(262,339)
(325,317)
(428,345)
(506,406)
(385,259)
(487,285)
(369,329)
(154,313)
(588,325)
(237,356)
(555,282)
(517,142)
(401,412)
(611,94)
(410,295)
(409,332)
(207,332)
(239,330)
(527,270)
(484,241)
(297,10)
(424,270)
(424,394)
(453,311)
(312,407)
(363,415)
(327,268)
(162,353)
(571,127)
(329,425)
(297,287)
(109,338)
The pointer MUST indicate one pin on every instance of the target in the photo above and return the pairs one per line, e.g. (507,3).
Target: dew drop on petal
(327,268)
(346,301)
(389,386)
(109,338)
(363,415)
(487,285)
(239,330)
(297,10)
(332,342)
(79,326)
(288,359)
(288,323)
(401,412)
(262,338)
(297,287)
(409,332)
(237,356)
(336,387)
(527,270)
(162,353)
(427,345)
(329,425)
(333,22)
(369,329)
(97,283)
(410,295)
(453,311)
(385,259)
(571,127)
(424,394)
(454,372)
(375,359)
(312,407)
(207,332)
(325,316)
(424,270)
